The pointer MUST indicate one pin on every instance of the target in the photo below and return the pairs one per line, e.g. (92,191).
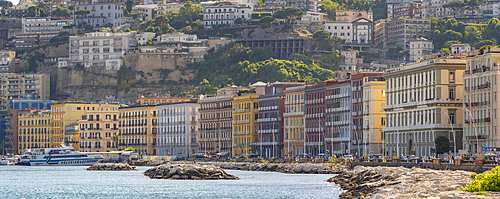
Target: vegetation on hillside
(445,32)
(189,16)
(239,65)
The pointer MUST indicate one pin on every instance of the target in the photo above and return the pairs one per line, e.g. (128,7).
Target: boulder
(111,167)
(188,171)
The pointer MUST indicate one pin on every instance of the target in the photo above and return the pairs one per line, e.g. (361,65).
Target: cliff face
(96,83)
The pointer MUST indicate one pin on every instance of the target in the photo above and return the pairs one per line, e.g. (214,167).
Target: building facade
(178,129)
(339,117)
(294,118)
(245,126)
(481,101)
(6,60)
(100,49)
(315,119)
(138,128)
(15,86)
(44,25)
(373,114)
(102,14)
(400,32)
(34,130)
(216,117)
(422,103)
(99,129)
(224,13)
(11,132)
(419,47)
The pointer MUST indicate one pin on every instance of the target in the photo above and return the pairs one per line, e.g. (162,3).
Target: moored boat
(65,156)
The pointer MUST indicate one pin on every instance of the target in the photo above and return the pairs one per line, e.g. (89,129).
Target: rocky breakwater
(188,171)
(399,182)
(111,167)
(305,168)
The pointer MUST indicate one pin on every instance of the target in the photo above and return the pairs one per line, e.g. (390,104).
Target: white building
(357,31)
(44,25)
(178,129)
(101,49)
(147,11)
(6,58)
(102,14)
(143,37)
(224,13)
(460,48)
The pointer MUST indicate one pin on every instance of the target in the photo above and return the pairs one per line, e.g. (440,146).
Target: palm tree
(82,12)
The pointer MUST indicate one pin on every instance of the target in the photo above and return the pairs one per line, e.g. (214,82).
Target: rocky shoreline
(304,168)
(400,182)
(111,167)
(188,172)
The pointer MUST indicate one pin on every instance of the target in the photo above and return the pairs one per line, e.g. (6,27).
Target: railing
(421,126)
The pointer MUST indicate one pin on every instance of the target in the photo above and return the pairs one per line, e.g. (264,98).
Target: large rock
(307,168)
(188,171)
(111,167)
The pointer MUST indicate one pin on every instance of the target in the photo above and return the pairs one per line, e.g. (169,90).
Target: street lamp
(473,128)
(454,139)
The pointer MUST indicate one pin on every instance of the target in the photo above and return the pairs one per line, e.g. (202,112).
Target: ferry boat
(65,156)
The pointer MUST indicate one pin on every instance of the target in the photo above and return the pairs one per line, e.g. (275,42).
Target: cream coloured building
(419,47)
(422,99)
(99,129)
(34,130)
(138,128)
(245,126)
(15,85)
(481,102)
(44,25)
(294,121)
(373,114)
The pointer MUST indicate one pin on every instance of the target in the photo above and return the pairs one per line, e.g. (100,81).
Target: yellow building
(138,128)
(245,115)
(373,114)
(72,136)
(481,103)
(168,7)
(99,129)
(33,129)
(294,121)
(67,113)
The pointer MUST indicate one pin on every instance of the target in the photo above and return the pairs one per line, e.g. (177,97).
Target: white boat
(65,156)
(4,161)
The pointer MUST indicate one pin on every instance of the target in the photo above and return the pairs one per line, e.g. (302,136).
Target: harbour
(76,182)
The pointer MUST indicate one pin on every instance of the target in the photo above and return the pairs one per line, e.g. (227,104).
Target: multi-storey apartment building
(67,113)
(422,99)
(481,105)
(271,108)
(315,119)
(168,7)
(402,10)
(178,129)
(72,136)
(99,129)
(11,132)
(419,47)
(44,25)
(138,128)
(29,101)
(6,59)
(104,49)
(460,48)
(102,14)
(352,15)
(245,126)
(224,13)
(15,85)
(34,129)
(357,112)
(294,117)
(401,31)
(338,117)
(357,31)
(30,40)
(373,114)
(216,117)
(380,33)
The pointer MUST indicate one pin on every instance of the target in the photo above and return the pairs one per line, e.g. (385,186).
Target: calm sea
(76,182)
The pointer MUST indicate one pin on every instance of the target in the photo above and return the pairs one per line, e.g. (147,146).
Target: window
(452,77)
(452,93)
(78,108)
(452,118)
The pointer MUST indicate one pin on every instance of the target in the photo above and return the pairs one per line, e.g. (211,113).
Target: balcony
(477,137)
(269,131)
(293,114)
(294,101)
(337,109)
(267,108)
(421,126)
(269,119)
(314,101)
(474,104)
(316,115)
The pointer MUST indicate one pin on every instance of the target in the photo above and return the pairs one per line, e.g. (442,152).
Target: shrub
(489,181)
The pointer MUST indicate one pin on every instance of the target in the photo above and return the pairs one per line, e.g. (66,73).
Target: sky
(15,2)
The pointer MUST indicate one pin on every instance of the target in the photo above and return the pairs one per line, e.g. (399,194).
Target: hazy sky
(15,2)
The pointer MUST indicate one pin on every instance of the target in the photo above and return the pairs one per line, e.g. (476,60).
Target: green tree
(60,12)
(266,20)
(81,13)
(149,42)
(472,34)
(442,144)
(290,14)
(261,3)
(321,35)
(129,4)
(329,7)
(238,21)
(445,51)
(187,29)
(33,11)
(454,5)
(5,5)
